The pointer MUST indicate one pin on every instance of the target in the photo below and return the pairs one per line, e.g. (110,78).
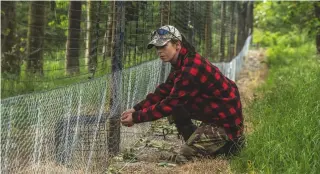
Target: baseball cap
(163,35)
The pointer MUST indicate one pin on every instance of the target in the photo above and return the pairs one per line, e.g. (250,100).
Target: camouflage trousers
(208,140)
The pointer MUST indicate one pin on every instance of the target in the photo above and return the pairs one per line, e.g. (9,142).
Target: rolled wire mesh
(76,128)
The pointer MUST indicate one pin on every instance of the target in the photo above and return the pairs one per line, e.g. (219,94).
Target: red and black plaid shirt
(200,86)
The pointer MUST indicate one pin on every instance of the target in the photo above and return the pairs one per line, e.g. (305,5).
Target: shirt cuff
(137,107)
(135,117)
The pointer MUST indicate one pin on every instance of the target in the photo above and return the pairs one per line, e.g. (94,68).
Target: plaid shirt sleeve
(184,88)
(162,91)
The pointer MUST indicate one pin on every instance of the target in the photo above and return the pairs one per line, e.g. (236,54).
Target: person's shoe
(178,159)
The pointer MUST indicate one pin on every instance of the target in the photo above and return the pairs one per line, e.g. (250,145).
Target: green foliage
(282,47)
(286,16)
(287,118)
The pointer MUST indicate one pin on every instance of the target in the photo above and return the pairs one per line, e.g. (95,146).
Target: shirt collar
(182,55)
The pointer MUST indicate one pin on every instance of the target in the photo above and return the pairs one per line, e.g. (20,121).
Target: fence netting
(68,69)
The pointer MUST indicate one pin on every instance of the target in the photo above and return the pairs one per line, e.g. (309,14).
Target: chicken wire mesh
(73,126)
(99,48)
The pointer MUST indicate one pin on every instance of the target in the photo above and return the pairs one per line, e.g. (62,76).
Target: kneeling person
(195,89)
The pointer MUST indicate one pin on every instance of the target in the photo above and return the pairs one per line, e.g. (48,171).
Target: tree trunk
(317,13)
(109,34)
(164,20)
(191,23)
(241,25)
(222,31)
(251,6)
(232,31)
(208,29)
(35,39)
(217,26)
(73,44)
(115,103)
(165,12)
(91,46)
(10,61)
(183,10)
(249,18)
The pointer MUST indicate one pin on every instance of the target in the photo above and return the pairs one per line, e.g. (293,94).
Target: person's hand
(128,111)
(126,119)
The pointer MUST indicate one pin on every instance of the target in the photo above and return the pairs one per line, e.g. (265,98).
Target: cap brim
(158,43)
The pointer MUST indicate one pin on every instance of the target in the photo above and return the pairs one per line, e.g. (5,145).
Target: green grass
(286,120)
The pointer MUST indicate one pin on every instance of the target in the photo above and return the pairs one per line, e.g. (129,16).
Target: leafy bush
(283,49)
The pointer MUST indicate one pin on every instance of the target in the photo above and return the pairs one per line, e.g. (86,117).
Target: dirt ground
(149,155)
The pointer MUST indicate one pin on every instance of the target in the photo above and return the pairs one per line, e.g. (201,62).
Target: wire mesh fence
(75,126)
(92,58)
(51,44)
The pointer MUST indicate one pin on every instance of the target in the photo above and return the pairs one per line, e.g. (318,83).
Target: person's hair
(186,44)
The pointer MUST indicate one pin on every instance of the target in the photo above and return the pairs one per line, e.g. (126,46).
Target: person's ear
(178,45)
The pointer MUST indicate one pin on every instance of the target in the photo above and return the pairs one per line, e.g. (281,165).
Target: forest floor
(149,154)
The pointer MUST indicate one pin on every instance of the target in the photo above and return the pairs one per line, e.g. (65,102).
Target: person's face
(169,52)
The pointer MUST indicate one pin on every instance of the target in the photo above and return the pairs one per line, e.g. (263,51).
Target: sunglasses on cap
(161,32)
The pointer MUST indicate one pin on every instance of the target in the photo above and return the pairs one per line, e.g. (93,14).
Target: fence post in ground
(115,103)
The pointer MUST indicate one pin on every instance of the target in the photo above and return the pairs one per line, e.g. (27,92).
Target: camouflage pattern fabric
(205,141)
